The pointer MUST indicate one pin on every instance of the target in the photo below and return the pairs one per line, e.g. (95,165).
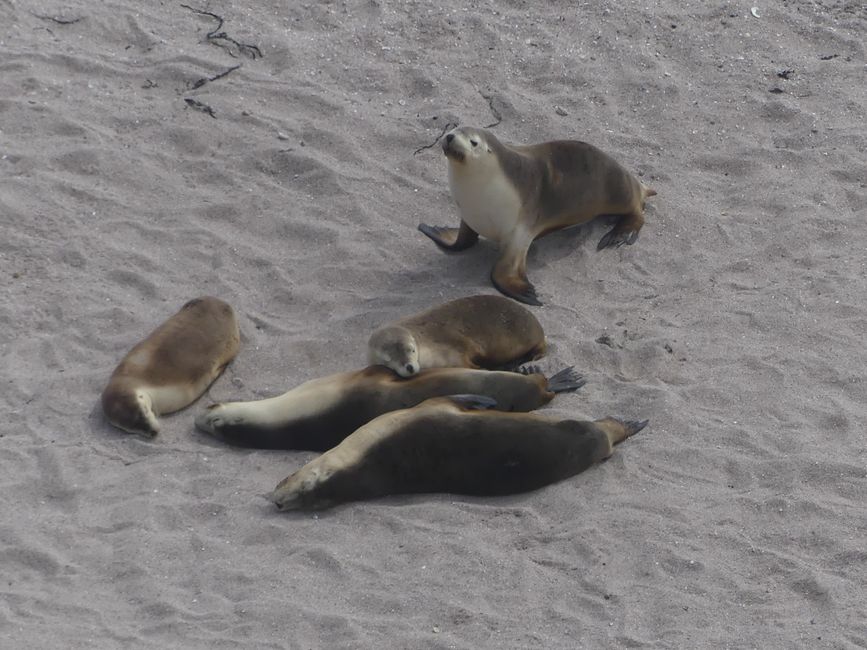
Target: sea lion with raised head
(514,194)
(320,413)
(472,332)
(173,366)
(446,445)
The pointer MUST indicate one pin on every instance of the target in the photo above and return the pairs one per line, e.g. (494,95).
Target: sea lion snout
(452,149)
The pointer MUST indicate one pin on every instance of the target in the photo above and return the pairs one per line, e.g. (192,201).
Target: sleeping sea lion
(320,413)
(173,366)
(472,332)
(446,445)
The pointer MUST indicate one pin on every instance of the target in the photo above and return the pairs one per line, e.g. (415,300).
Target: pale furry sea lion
(514,194)
(173,366)
(320,413)
(471,332)
(446,445)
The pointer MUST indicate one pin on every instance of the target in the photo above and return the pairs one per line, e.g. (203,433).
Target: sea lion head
(466,144)
(302,490)
(131,411)
(395,348)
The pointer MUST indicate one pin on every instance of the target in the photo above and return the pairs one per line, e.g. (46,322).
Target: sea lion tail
(474,402)
(565,381)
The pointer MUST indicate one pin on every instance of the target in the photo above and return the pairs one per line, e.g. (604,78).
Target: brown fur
(173,366)
(473,332)
(560,183)
(443,445)
(320,413)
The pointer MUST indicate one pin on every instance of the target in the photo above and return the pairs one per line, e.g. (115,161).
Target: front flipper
(510,277)
(451,239)
(566,381)
(474,402)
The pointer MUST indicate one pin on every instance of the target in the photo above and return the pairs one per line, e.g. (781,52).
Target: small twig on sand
(448,126)
(494,111)
(201,82)
(216,35)
(60,21)
(199,106)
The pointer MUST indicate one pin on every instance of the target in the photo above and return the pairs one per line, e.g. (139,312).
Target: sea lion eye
(475,143)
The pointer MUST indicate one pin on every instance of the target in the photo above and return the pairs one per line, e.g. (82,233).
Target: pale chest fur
(488,202)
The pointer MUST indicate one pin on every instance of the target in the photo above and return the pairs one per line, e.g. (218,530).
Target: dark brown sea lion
(446,445)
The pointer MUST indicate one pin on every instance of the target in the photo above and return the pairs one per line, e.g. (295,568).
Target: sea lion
(320,413)
(514,194)
(173,366)
(446,445)
(471,332)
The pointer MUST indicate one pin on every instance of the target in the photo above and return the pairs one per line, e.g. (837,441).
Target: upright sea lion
(320,413)
(173,366)
(513,194)
(472,332)
(444,445)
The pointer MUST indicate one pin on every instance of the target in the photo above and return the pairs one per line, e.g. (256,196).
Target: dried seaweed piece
(216,35)
(201,82)
(494,111)
(60,21)
(448,126)
(200,106)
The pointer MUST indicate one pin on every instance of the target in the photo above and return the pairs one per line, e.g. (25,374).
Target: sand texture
(736,324)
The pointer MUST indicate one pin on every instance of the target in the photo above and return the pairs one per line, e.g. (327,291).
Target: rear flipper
(474,402)
(619,430)
(452,240)
(566,381)
(625,232)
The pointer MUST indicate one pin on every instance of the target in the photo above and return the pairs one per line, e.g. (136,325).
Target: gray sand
(737,322)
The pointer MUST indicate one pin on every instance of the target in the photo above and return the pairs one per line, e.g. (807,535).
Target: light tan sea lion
(514,194)
(472,332)
(444,445)
(173,366)
(320,413)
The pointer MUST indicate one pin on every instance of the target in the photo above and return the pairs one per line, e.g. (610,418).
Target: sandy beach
(283,164)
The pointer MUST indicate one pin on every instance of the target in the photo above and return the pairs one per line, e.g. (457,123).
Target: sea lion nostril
(450,137)
(409,367)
